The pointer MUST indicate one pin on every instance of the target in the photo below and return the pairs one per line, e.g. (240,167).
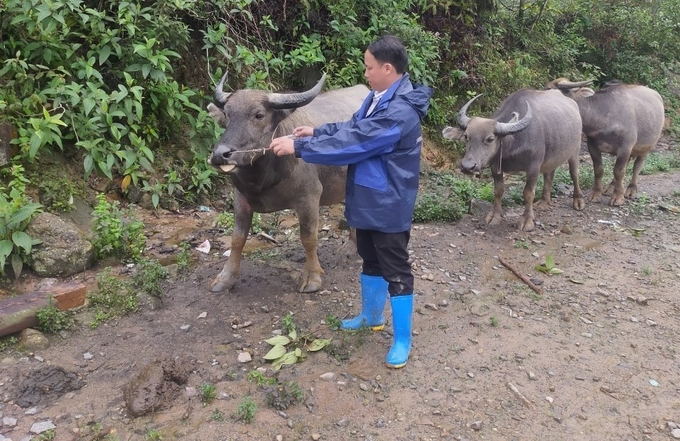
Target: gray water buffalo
(620,119)
(547,136)
(264,182)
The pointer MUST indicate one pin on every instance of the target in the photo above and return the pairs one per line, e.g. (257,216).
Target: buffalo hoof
(610,189)
(579,204)
(542,205)
(617,200)
(310,285)
(525,224)
(595,196)
(494,218)
(631,191)
(219,285)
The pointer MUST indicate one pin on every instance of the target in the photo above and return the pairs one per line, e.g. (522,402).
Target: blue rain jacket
(382,152)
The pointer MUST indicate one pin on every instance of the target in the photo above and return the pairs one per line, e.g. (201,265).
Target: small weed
(208,393)
(217,415)
(522,244)
(152,435)
(259,378)
(45,436)
(7,343)
(225,221)
(647,271)
(494,321)
(265,254)
(255,227)
(113,298)
(333,322)
(184,258)
(285,395)
(51,320)
(246,410)
(148,277)
(288,323)
(639,204)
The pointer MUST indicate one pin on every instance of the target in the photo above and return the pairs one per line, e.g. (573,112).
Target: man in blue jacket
(381,146)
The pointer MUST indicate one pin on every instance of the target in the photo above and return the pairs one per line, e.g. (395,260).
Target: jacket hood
(417,96)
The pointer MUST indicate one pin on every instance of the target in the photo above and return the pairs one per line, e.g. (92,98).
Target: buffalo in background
(620,119)
(547,136)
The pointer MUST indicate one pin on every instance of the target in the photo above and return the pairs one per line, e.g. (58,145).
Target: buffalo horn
(503,129)
(564,84)
(220,95)
(463,119)
(295,100)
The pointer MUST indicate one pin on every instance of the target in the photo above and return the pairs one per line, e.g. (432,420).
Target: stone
(42,426)
(64,250)
(32,340)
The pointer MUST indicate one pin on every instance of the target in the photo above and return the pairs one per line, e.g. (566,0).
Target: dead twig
(522,277)
(521,397)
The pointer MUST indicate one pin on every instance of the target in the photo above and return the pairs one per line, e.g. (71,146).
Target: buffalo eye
(490,139)
(259,115)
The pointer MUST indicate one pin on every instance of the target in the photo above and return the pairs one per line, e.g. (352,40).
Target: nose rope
(264,149)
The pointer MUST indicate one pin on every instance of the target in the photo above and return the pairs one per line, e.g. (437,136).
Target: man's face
(378,75)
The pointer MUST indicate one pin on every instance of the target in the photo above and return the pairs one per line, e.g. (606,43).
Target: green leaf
(6,247)
(555,271)
(22,240)
(276,352)
(278,340)
(288,358)
(293,335)
(17,265)
(318,344)
(298,352)
(549,262)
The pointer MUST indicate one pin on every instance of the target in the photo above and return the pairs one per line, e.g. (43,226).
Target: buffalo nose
(468,166)
(220,155)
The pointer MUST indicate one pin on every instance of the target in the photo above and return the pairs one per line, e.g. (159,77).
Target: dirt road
(593,356)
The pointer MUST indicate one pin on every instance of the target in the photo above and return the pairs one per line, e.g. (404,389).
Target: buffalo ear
(452,132)
(583,92)
(218,115)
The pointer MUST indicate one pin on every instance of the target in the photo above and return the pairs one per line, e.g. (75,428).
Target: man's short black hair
(389,49)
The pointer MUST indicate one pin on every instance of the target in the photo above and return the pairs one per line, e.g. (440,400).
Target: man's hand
(301,131)
(282,146)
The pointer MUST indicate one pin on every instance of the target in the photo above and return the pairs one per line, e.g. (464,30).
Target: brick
(20,312)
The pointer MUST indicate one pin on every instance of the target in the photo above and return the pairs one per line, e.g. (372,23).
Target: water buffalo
(621,119)
(264,182)
(546,137)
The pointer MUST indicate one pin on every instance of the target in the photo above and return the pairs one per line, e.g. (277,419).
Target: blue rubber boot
(402,312)
(373,298)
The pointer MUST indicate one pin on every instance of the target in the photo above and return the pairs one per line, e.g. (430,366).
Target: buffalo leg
(526,221)
(631,191)
(598,169)
(546,197)
(619,173)
(309,235)
(579,203)
(243,219)
(496,214)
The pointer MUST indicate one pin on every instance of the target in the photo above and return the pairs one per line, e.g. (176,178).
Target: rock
(64,250)
(328,376)
(9,422)
(32,340)
(244,357)
(42,426)
(676,433)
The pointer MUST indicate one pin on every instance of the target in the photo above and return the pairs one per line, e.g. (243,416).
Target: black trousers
(386,255)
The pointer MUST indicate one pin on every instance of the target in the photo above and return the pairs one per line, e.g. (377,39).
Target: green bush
(116,233)
(16,212)
(52,320)
(148,277)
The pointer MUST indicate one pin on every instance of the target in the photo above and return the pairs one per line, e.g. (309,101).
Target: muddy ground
(594,356)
